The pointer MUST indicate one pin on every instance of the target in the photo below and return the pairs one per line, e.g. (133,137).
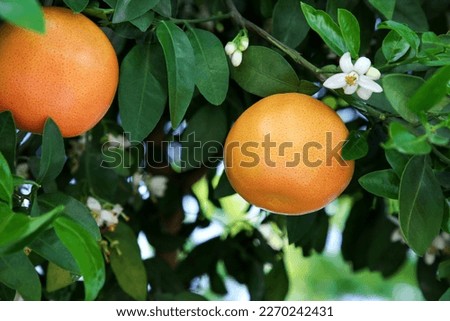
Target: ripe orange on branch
(70,73)
(283,154)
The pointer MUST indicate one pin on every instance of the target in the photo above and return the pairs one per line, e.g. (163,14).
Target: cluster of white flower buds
(106,215)
(235,47)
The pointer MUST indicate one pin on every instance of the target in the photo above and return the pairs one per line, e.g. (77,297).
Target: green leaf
(25,13)
(48,245)
(254,76)
(403,30)
(144,22)
(77,5)
(405,142)
(410,13)
(394,46)
(201,145)
(6,183)
(180,62)
(86,252)
(384,183)
(327,29)
(164,8)
(421,204)
(127,264)
(397,160)
(386,8)
(8,138)
(431,92)
(73,209)
(445,296)
(142,99)
(350,31)
(444,269)
(398,89)
(126,10)
(277,283)
(223,188)
(299,226)
(18,230)
(211,74)
(17,272)
(53,153)
(356,146)
(289,24)
(57,278)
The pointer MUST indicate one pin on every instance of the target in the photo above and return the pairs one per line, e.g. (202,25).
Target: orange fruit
(283,154)
(70,73)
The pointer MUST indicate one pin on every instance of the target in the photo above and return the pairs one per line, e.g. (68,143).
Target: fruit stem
(295,55)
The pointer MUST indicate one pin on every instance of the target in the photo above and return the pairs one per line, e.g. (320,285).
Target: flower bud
(230,48)
(373,73)
(236,58)
(243,43)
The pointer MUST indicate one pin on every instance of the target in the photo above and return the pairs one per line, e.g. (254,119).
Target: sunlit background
(322,276)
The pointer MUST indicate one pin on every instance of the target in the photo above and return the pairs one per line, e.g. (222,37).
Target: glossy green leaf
(350,31)
(49,246)
(17,272)
(77,5)
(386,8)
(126,10)
(73,209)
(410,13)
(142,98)
(444,269)
(403,30)
(327,29)
(383,183)
(127,264)
(277,282)
(164,8)
(180,62)
(86,252)
(289,24)
(298,227)
(421,204)
(397,160)
(399,89)
(223,188)
(18,230)
(445,296)
(6,183)
(53,153)
(57,278)
(394,46)
(356,146)
(254,76)
(211,74)
(201,145)
(431,92)
(24,13)
(144,22)
(406,142)
(8,138)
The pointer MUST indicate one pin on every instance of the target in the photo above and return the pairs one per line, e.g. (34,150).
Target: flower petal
(364,93)
(368,83)
(93,204)
(335,81)
(346,63)
(362,65)
(350,90)
(373,73)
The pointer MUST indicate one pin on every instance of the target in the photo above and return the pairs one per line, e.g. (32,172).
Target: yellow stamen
(351,79)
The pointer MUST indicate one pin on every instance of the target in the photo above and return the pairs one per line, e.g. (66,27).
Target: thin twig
(293,54)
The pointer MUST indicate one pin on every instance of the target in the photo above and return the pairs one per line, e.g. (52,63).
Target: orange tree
(73,207)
